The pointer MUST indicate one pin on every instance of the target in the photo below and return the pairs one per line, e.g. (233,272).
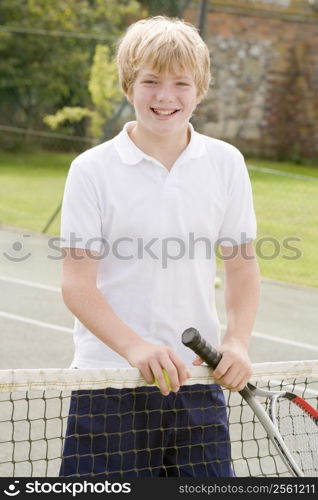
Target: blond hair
(164,44)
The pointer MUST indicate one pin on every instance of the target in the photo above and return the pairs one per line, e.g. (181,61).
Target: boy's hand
(151,359)
(235,369)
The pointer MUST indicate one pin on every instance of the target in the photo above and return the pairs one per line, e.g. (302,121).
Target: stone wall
(264,98)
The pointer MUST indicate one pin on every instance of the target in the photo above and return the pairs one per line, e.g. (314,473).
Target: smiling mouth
(162,112)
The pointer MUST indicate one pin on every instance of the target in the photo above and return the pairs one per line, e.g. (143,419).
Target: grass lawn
(31,188)
(287,215)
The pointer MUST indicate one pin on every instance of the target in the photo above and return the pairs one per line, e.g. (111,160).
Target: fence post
(202,15)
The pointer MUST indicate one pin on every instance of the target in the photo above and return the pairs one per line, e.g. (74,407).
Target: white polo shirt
(156,232)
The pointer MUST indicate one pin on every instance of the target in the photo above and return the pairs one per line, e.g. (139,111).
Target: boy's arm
(242,287)
(82,297)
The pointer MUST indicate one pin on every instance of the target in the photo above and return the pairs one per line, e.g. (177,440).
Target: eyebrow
(151,75)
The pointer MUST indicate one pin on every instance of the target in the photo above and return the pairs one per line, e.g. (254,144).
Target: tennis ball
(167,380)
(217,282)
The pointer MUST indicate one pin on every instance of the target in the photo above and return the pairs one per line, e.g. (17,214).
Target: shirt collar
(131,154)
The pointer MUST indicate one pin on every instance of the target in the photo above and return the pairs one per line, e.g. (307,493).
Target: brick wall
(264,58)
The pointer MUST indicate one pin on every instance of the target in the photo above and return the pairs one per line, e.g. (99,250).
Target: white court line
(34,322)
(30,283)
(22,319)
(280,340)
(282,173)
(51,326)
(294,343)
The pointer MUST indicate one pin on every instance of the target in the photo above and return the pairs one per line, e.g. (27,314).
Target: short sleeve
(81,215)
(239,222)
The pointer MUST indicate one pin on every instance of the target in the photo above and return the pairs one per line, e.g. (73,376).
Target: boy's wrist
(233,338)
(129,344)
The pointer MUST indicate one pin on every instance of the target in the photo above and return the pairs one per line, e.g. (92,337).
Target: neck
(158,146)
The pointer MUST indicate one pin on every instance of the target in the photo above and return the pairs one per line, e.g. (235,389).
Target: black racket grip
(191,338)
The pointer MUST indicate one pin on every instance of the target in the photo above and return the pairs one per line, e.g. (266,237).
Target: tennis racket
(291,423)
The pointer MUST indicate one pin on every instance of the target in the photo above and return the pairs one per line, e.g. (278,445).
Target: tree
(171,8)
(105,96)
(46,51)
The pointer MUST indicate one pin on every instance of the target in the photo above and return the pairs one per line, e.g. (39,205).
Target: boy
(140,216)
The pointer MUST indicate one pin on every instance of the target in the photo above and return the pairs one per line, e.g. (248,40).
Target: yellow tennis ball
(167,380)
(217,282)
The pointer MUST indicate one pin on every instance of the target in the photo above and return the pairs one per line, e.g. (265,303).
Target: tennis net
(35,404)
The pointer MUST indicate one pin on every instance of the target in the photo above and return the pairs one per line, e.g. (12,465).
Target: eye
(183,84)
(149,81)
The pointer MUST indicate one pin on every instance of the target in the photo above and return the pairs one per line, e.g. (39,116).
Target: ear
(196,105)
(129,96)
(198,100)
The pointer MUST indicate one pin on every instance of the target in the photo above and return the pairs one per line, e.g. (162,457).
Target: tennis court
(36,333)
(37,327)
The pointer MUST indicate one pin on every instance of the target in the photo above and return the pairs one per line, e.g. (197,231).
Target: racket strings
(300,434)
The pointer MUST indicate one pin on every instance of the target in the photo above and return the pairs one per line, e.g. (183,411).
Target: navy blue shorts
(141,433)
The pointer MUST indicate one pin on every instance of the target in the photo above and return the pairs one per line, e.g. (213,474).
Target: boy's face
(163,102)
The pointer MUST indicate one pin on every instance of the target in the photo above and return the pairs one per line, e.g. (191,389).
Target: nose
(164,93)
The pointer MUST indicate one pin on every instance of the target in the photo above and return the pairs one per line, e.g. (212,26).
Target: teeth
(161,112)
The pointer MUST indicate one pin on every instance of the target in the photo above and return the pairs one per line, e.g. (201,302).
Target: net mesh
(300,433)
(36,415)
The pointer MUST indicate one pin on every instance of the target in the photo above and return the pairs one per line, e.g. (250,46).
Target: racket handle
(191,338)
